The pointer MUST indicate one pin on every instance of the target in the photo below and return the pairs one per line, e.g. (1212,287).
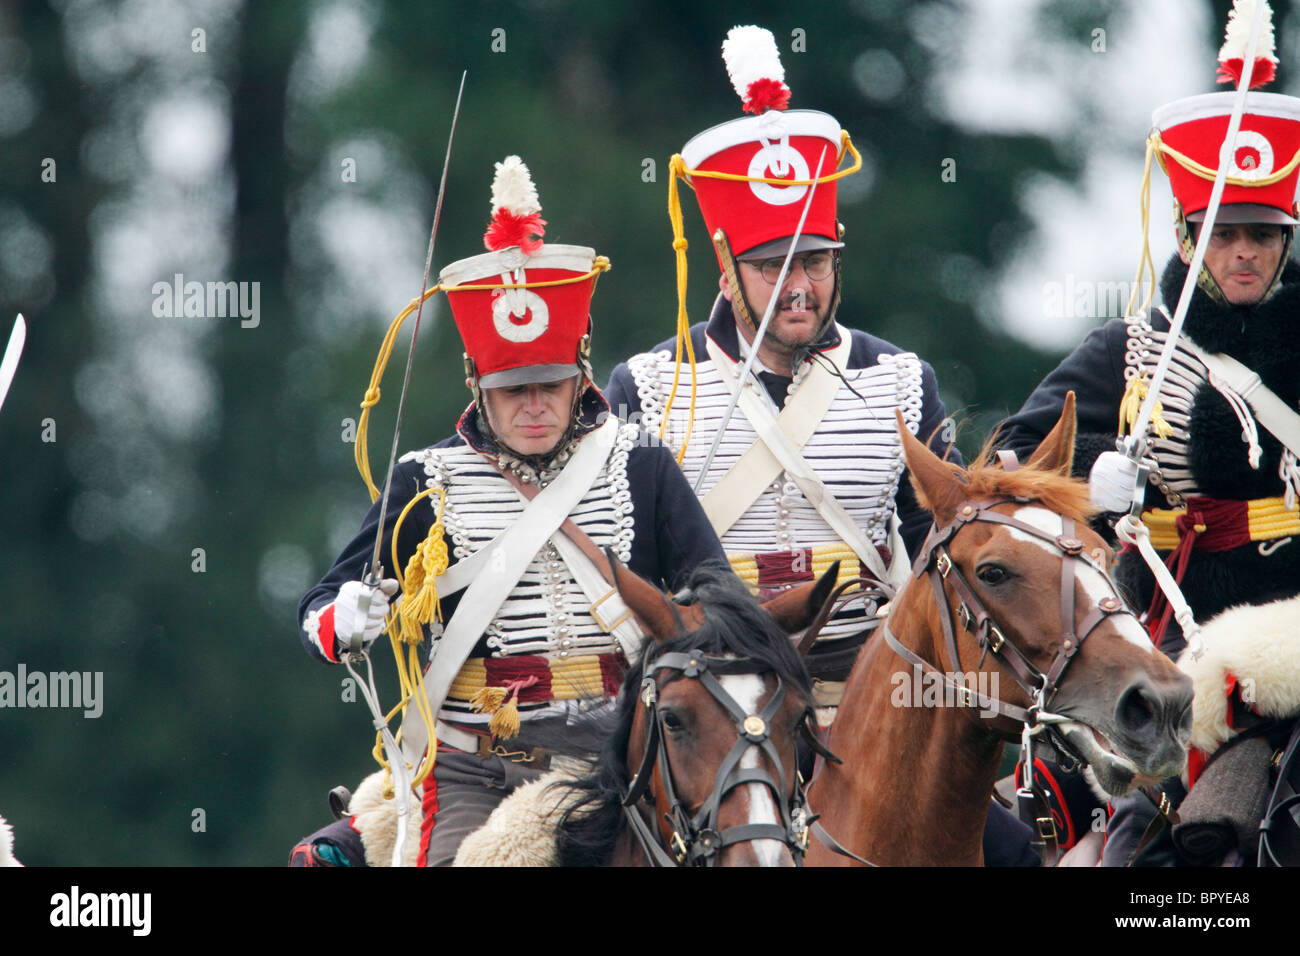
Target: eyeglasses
(817,265)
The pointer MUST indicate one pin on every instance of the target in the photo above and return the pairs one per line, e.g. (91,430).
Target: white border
(1209,105)
(490,265)
(749,129)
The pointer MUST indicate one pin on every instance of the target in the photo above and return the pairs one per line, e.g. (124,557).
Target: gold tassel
(420,603)
(1131,404)
(505,722)
(503,702)
(488,699)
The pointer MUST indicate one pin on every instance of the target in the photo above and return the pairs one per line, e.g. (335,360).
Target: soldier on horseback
(499,534)
(1220,495)
(811,468)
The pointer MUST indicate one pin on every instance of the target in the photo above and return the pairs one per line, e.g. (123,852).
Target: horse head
(1012,561)
(722,698)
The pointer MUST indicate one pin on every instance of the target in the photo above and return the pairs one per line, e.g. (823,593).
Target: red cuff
(324,636)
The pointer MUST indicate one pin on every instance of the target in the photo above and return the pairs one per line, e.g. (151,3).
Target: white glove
(360,611)
(1112,481)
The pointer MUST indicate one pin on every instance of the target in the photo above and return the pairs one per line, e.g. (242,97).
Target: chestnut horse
(1043,645)
(700,765)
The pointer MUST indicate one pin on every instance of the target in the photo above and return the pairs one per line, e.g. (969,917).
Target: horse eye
(672,722)
(992,574)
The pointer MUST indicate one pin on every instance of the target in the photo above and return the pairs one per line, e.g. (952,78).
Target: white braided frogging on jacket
(1173,475)
(547,612)
(855,451)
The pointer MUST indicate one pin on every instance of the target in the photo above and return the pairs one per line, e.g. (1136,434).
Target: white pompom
(513,189)
(750,54)
(1237,37)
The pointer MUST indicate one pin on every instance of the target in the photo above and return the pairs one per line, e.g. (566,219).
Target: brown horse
(1042,642)
(700,765)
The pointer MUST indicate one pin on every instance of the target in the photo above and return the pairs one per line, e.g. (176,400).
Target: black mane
(734,624)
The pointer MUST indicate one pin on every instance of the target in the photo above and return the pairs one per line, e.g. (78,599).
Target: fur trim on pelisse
(1260,646)
(522,830)
(7,844)
(376,820)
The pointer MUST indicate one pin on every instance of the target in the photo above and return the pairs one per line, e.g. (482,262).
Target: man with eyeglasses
(809,469)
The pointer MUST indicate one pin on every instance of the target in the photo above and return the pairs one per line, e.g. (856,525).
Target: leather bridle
(696,840)
(935,561)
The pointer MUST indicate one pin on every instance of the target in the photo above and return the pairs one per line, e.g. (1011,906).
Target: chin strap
(739,304)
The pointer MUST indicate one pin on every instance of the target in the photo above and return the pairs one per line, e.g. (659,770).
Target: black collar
(1238,330)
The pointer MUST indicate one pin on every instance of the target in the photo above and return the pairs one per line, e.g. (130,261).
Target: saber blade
(13,351)
(374,572)
(1134,445)
(762,327)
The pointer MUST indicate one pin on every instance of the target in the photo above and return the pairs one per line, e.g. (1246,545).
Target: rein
(696,841)
(936,562)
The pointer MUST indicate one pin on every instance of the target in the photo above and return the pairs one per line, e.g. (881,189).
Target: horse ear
(795,609)
(659,617)
(1056,452)
(938,488)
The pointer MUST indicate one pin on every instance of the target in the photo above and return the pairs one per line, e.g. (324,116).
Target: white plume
(513,189)
(750,54)
(1237,36)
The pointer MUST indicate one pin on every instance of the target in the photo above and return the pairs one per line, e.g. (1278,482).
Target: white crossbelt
(607,607)
(782,454)
(741,486)
(513,551)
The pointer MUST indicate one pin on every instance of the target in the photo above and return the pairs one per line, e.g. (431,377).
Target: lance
(1129,528)
(762,327)
(1133,445)
(9,364)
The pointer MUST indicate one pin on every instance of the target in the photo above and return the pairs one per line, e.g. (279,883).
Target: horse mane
(734,624)
(985,478)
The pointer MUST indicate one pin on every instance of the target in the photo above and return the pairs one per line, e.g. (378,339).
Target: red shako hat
(523,308)
(774,143)
(1260,188)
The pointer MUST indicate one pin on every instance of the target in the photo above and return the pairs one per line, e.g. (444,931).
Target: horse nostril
(1136,709)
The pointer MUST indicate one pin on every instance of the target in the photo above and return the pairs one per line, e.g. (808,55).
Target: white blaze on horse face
(1094,582)
(746,690)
